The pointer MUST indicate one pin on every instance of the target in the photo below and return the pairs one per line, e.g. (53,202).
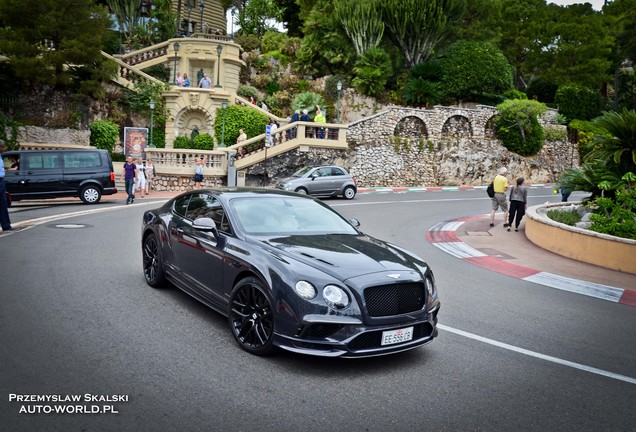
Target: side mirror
(207,225)
(354,222)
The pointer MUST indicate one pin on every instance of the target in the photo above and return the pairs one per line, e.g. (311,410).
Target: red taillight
(112,176)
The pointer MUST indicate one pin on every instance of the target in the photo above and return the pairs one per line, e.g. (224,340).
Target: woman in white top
(141,177)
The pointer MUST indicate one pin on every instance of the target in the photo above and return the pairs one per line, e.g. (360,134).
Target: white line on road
(539,355)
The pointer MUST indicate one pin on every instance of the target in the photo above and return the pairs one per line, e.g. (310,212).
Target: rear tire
(349,192)
(90,194)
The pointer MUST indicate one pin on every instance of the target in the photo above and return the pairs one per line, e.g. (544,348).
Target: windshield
(301,172)
(281,215)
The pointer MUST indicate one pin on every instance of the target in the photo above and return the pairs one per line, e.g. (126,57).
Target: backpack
(490,190)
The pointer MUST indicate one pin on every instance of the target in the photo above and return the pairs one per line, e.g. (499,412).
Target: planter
(582,245)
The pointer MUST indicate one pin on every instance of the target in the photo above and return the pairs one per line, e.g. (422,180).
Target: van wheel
(90,194)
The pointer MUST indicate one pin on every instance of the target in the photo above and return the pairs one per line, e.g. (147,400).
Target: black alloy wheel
(153,263)
(251,317)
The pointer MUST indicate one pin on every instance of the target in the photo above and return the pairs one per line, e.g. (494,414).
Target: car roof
(240,191)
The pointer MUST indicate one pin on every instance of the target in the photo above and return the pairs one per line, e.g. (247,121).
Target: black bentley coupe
(290,272)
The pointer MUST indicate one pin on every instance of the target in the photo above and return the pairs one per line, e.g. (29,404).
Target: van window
(41,161)
(81,159)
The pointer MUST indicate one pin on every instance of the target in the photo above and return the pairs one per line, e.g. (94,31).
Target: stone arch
(411,127)
(457,126)
(188,119)
(490,129)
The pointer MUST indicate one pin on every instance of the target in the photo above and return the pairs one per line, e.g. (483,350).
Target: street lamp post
(201,5)
(219,50)
(339,87)
(190,5)
(152,110)
(174,74)
(233,12)
(224,105)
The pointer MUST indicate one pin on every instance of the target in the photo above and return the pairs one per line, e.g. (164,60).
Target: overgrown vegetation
(567,217)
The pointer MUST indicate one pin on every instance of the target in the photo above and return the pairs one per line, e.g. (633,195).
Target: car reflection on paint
(290,272)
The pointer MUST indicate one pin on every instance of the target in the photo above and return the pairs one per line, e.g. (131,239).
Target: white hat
(502,171)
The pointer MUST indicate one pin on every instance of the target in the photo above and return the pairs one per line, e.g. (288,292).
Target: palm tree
(618,148)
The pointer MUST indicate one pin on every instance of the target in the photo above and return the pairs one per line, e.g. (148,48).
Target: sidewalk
(511,253)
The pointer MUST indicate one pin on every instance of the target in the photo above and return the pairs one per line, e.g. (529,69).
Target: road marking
(535,354)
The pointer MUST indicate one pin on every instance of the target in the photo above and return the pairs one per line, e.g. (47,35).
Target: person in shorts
(499,201)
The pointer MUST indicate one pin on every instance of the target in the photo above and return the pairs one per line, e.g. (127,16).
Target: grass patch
(567,217)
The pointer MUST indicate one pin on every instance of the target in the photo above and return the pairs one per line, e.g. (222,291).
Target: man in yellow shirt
(500,184)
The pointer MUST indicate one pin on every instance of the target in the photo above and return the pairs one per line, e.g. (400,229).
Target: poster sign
(135,141)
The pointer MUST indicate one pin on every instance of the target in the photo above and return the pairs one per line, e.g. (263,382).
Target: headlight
(335,297)
(430,286)
(305,290)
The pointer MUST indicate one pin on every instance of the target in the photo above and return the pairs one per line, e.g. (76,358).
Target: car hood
(288,179)
(344,256)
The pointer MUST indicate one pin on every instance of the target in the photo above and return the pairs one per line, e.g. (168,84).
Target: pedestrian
(305,118)
(500,184)
(140,183)
(186,80)
(252,100)
(565,194)
(518,203)
(294,118)
(242,137)
(5,221)
(264,106)
(205,81)
(198,171)
(319,118)
(179,80)
(130,177)
(150,175)
(275,137)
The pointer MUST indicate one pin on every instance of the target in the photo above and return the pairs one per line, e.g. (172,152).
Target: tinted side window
(323,172)
(181,205)
(81,159)
(41,161)
(337,171)
(204,205)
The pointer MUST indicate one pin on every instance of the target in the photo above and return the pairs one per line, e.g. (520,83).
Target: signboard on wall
(135,141)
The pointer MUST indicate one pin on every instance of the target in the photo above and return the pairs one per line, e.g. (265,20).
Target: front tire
(251,317)
(349,192)
(90,194)
(153,262)
(302,191)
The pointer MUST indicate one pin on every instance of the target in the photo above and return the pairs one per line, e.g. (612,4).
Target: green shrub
(576,102)
(555,133)
(203,142)
(247,91)
(472,70)
(248,42)
(372,71)
(518,126)
(515,94)
(104,135)
(541,90)
(238,117)
(568,217)
(616,216)
(419,92)
(182,142)
(273,41)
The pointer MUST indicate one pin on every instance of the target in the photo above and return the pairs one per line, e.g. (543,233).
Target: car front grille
(373,339)
(395,299)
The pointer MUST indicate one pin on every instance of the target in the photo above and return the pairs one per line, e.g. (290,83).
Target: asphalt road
(77,318)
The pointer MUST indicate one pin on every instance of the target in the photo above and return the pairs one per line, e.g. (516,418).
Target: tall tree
(362,21)
(55,41)
(576,47)
(417,26)
(291,17)
(520,26)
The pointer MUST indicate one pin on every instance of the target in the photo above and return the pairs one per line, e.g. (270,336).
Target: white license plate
(391,337)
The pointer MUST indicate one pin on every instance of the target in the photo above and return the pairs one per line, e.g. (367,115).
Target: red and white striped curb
(444,236)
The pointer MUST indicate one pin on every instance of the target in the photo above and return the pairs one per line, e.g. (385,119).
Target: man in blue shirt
(5,222)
